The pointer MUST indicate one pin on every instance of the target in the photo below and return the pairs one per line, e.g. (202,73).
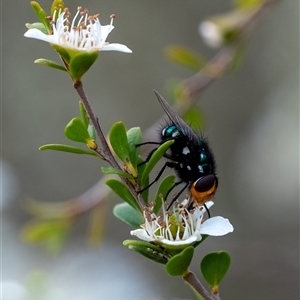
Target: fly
(190,156)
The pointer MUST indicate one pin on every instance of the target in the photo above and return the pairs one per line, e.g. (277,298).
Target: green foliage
(119,142)
(179,263)
(42,15)
(185,57)
(148,250)
(50,63)
(123,192)
(40,26)
(157,155)
(124,144)
(214,266)
(80,63)
(128,215)
(76,131)
(67,148)
(111,170)
(134,137)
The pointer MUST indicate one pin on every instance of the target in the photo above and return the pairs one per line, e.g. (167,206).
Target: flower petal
(105,31)
(188,241)
(142,235)
(116,47)
(37,34)
(216,226)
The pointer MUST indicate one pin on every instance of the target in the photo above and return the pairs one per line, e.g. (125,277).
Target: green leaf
(185,57)
(119,142)
(148,250)
(111,170)
(157,155)
(84,116)
(42,15)
(134,137)
(179,263)
(214,266)
(128,215)
(163,188)
(63,52)
(76,131)
(40,26)
(80,63)
(50,63)
(123,192)
(66,148)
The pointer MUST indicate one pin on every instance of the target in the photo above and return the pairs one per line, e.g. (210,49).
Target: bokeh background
(252,120)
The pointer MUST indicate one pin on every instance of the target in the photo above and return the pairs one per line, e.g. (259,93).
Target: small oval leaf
(134,137)
(123,192)
(80,63)
(148,250)
(119,142)
(76,131)
(179,263)
(129,215)
(214,266)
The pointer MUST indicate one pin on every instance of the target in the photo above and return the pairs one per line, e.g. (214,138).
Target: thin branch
(193,281)
(105,151)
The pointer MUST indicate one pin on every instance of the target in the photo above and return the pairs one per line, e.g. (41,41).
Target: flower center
(83,32)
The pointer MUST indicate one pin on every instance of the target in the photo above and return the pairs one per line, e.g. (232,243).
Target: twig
(193,281)
(105,151)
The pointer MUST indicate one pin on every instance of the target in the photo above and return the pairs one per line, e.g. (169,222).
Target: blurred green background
(252,121)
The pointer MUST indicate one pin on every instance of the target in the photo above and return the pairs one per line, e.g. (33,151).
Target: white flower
(181,227)
(85,34)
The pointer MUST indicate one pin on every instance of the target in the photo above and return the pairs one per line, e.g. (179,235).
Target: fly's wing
(185,128)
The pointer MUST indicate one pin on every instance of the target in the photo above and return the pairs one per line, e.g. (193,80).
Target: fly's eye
(205,184)
(170,132)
